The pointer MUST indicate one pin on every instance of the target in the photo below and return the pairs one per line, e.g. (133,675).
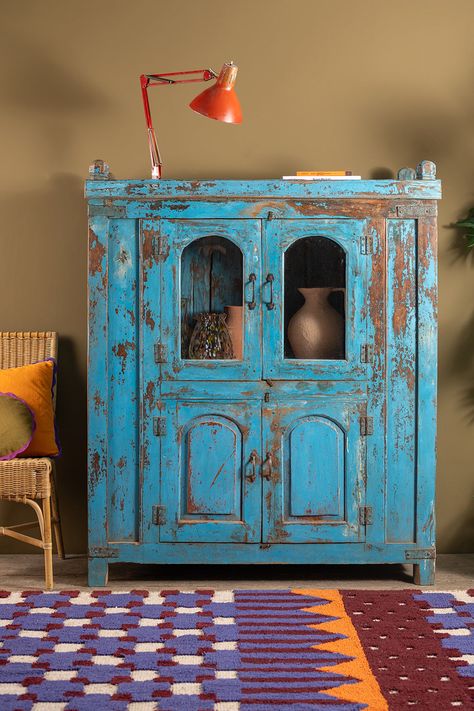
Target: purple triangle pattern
(206,650)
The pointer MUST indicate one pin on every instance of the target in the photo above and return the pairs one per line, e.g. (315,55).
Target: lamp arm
(147,80)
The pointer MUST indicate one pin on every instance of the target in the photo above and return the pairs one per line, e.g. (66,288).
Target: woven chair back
(25,347)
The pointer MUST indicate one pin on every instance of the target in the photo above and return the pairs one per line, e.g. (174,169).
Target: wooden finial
(99,170)
(407,174)
(426,170)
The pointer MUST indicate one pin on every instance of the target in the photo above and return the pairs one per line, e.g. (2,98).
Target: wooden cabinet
(268,457)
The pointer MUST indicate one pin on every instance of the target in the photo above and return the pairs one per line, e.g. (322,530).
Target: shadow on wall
(462,357)
(35,274)
(460,537)
(44,251)
(382,174)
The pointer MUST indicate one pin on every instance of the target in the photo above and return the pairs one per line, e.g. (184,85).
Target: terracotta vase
(210,339)
(316,330)
(235,324)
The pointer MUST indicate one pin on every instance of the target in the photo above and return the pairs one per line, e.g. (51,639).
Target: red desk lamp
(218,102)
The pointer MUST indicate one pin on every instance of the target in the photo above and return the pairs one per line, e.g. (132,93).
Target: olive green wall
(363,84)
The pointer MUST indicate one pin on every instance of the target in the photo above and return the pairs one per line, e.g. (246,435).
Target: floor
(23,572)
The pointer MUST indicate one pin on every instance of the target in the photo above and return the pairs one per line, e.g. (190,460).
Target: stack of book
(323,175)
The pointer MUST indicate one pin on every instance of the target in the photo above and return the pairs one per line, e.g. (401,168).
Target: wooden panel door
(313,470)
(210,486)
(301,259)
(207,265)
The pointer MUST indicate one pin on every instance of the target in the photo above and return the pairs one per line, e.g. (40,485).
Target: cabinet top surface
(104,187)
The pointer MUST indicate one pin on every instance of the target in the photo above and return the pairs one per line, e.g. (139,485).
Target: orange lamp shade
(220,101)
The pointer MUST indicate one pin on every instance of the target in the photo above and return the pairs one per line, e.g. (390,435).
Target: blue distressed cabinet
(264,457)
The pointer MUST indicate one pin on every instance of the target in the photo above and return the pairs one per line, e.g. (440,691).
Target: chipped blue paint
(193,437)
(207,482)
(315,439)
(182,189)
(123,386)
(427,394)
(280,235)
(97,388)
(401,380)
(177,235)
(238,553)
(149,374)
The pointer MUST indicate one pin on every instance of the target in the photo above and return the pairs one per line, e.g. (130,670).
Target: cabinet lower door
(210,486)
(313,471)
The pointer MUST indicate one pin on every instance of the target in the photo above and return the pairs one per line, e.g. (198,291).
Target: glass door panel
(212,300)
(314,299)
(210,310)
(315,285)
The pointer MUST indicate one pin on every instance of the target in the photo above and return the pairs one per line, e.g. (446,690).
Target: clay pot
(316,330)
(211,338)
(235,324)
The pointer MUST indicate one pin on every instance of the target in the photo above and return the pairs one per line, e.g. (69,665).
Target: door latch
(158,515)
(367,243)
(159,426)
(160,353)
(367,353)
(267,467)
(159,248)
(366,426)
(365,515)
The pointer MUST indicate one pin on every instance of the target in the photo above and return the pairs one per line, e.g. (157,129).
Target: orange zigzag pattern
(367,691)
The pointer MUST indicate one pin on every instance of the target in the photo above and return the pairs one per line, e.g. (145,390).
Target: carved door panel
(210,484)
(313,471)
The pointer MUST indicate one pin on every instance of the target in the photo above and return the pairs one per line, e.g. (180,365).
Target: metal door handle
(252,303)
(269,280)
(267,465)
(253,462)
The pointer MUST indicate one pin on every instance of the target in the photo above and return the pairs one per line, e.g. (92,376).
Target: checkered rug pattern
(249,650)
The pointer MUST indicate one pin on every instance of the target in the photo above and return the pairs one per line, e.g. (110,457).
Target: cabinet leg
(98,572)
(424,572)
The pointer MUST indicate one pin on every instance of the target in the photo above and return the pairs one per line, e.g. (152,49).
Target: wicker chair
(25,480)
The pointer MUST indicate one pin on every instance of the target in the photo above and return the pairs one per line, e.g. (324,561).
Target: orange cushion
(34,384)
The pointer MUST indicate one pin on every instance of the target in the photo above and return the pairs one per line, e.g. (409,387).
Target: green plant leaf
(468,224)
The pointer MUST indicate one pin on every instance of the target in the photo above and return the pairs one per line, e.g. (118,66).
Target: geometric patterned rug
(240,650)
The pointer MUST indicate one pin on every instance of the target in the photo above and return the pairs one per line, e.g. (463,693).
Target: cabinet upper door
(210,310)
(314,299)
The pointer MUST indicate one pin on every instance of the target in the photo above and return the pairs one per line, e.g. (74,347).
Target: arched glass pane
(315,288)
(211,300)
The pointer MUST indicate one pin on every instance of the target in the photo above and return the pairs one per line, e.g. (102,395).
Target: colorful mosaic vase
(211,338)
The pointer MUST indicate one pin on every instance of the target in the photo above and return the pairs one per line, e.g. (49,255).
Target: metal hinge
(107,210)
(366,353)
(159,426)
(103,552)
(366,426)
(420,553)
(160,353)
(416,211)
(365,515)
(367,243)
(160,251)
(158,515)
